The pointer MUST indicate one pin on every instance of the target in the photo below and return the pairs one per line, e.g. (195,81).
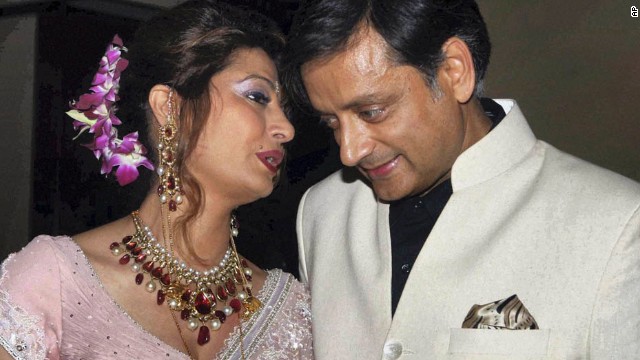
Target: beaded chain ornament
(204,299)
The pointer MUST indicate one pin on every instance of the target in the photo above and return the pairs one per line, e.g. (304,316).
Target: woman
(167,282)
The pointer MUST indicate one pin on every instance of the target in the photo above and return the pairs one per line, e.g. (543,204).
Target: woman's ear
(458,69)
(159,102)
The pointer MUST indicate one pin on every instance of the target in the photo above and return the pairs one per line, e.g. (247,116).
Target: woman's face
(240,150)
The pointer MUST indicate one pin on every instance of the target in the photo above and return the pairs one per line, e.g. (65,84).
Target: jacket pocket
(529,343)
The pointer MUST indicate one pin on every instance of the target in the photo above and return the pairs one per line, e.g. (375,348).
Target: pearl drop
(192,324)
(215,324)
(163,198)
(135,267)
(234,232)
(242,295)
(173,303)
(179,199)
(151,286)
(160,146)
(160,170)
(248,271)
(116,251)
(227,310)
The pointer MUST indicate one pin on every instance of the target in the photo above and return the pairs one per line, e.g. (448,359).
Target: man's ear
(159,102)
(457,70)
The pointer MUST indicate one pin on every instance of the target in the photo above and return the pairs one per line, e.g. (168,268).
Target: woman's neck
(207,233)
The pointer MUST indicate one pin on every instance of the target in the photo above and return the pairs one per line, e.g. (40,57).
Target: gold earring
(170,189)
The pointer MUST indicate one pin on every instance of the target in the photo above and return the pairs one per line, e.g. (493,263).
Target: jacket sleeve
(615,322)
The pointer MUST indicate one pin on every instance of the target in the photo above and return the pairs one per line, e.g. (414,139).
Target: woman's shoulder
(41,255)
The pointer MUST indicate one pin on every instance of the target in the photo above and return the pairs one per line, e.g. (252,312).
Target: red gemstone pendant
(236,305)
(139,279)
(203,335)
(148,266)
(222,293)
(157,272)
(141,258)
(203,303)
(161,296)
(231,287)
(221,316)
(184,314)
(166,279)
(124,260)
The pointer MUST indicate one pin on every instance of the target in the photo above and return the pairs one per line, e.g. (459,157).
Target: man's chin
(388,192)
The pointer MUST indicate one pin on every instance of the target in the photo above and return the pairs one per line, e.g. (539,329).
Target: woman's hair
(183,48)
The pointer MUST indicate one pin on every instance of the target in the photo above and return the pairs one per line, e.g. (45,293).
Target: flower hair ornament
(95,112)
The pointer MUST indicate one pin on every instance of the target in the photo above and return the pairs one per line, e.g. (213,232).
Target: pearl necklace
(204,299)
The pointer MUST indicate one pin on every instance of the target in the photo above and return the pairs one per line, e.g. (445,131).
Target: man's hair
(414,31)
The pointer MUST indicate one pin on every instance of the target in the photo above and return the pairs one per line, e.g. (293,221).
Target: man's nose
(355,144)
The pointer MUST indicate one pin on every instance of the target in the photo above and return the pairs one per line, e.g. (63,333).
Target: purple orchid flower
(94,112)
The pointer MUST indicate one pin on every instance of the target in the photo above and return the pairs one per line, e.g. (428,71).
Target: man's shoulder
(574,171)
(340,189)
(341,182)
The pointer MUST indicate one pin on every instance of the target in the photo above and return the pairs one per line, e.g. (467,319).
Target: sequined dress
(53,306)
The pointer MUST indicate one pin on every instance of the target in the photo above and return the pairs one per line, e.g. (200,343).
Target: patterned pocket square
(505,314)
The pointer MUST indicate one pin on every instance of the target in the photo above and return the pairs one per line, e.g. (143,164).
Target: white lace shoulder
(21,334)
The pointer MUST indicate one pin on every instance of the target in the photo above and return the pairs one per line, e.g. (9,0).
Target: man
(451,224)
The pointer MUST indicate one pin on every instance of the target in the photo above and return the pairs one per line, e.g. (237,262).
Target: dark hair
(184,47)
(414,31)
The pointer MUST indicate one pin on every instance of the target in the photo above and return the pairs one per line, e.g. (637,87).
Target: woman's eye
(259,97)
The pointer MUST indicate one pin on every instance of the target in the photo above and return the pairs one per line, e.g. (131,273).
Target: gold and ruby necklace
(203,299)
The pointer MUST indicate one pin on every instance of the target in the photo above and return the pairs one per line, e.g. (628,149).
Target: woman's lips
(383,170)
(271,159)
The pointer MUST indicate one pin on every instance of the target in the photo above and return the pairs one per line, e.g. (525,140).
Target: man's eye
(330,121)
(259,97)
(370,114)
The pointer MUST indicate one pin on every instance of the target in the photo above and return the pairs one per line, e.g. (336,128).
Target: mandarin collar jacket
(524,218)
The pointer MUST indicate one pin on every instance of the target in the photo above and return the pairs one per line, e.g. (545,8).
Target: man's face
(385,118)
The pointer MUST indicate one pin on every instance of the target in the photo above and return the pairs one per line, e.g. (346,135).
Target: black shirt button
(406,268)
